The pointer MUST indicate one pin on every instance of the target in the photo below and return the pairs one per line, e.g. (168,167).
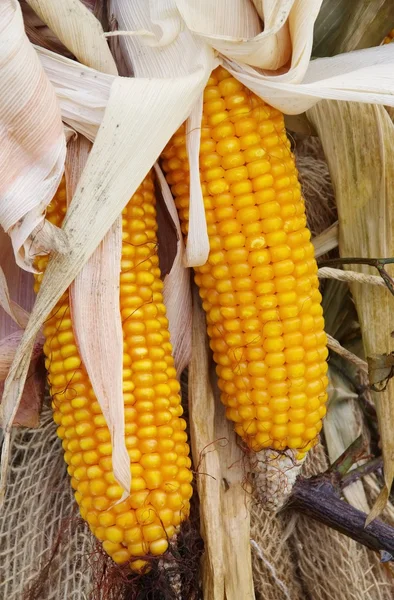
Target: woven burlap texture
(40,523)
(297,558)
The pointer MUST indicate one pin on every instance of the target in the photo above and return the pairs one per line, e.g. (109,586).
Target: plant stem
(316,497)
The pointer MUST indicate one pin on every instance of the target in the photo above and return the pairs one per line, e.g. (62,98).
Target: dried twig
(378,263)
(319,498)
(334,345)
(368,467)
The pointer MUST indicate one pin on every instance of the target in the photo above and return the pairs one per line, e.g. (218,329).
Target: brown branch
(317,498)
(378,263)
(369,467)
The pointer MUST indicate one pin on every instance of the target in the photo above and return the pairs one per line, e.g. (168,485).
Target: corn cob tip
(274,475)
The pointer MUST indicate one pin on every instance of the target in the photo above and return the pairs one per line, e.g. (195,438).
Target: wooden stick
(317,498)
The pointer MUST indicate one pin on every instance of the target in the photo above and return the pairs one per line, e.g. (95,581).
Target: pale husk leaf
(358,142)
(197,249)
(360,76)
(33,392)
(326,241)
(176,292)
(95,310)
(177,57)
(16,299)
(79,30)
(11,308)
(233,29)
(224,498)
(94,293)
(13,315)
(342,425)
(31,138)
(82,92)
(107,183)
(39,33)
(177,52)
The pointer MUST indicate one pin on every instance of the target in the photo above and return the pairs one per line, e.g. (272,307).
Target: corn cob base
(259,286)
(155,434)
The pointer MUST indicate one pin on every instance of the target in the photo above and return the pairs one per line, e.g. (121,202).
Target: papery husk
(39,33)
(358,142)
(79,30)
(94,293)
(344,420)
(220,475)
(16,300)
(32,141)
(28,414)
(176,291)
(342,426)
(106,185)
(326,241)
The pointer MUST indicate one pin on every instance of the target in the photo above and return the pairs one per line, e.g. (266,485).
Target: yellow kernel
(310,433)
(295,429)
(121,556)
(98,487)
(145,515)
(158,547)
(114,534)
(152,532)
(106,519)
(279,432)
(298,400)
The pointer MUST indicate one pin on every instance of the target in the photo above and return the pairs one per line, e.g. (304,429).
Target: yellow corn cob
(155,433)
(259,286)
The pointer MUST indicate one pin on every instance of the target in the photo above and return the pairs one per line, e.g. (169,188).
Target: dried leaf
(177,293)
(31,135)
(342,26)
(380,368)
(326,241)
(79,30)
(224,499)
(342,426)
(16,290)
(33,393)
(38,33)
(358,142)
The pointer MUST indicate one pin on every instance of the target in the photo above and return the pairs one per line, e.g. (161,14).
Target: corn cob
(259,286)
(155,433)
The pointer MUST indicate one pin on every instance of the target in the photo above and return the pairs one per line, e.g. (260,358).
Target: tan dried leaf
(358,142)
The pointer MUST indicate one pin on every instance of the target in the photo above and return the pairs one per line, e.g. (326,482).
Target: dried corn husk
(223,493)
(359,145)
(79,31)
(32,141)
